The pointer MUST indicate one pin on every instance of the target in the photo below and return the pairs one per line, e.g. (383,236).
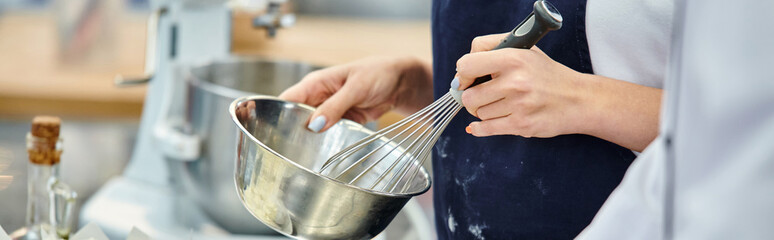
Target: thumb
(331,111)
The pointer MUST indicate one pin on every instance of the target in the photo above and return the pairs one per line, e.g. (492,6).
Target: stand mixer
(174,186)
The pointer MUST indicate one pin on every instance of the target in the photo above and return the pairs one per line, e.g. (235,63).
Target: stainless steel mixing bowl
(207,180)
(276,174)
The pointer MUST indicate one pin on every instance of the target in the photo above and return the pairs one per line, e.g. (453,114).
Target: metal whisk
(407,144)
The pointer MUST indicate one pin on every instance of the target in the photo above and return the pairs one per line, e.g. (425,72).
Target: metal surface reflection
(277,178)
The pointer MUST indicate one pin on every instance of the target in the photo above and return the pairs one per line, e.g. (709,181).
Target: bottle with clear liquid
(49,202)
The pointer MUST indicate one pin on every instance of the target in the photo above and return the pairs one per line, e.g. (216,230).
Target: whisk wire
(412,126)
(369,140)
(435,118)
(422,128)
(391,183)
(389,152)
(348,151)
(424,151)
(424,154)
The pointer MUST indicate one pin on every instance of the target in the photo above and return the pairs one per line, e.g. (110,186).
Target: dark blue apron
(509,187)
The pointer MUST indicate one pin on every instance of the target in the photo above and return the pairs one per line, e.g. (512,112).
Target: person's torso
(708,174)
(506,187)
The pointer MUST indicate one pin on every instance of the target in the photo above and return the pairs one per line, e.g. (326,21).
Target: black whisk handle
(543,19)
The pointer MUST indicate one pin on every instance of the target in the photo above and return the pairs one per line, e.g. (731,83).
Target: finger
(332,109)
(474,65)
(486,42)
(537,49)
(483,94)
(362,116)
(299,92)
(497,126)
(497,109)
(316,86)
(356,115)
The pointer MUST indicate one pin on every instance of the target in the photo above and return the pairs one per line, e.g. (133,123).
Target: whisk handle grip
(543,19)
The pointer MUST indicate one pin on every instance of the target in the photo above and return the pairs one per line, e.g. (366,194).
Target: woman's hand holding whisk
(532,95)
(364,90)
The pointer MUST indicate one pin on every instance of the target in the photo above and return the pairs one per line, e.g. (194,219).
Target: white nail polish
(317,124)
(455,84)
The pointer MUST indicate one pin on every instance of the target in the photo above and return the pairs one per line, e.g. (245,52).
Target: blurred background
(61,57)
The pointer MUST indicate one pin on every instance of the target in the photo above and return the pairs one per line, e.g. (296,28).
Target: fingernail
(317,124)
(455,84)
(468,130)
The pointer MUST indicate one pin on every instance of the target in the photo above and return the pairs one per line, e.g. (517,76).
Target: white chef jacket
(629,39)
(710,173)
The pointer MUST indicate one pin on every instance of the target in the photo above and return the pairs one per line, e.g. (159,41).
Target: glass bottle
(49,202)
(62,201)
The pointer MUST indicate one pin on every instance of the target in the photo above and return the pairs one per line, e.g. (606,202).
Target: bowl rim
(223,91)
(232,113)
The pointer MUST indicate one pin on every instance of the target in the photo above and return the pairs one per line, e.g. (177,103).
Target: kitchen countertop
(35,79)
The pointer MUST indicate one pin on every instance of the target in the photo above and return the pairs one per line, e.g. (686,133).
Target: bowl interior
(281,127)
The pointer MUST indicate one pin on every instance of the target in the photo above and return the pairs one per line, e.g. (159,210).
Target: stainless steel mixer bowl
(276,174)
(207,181)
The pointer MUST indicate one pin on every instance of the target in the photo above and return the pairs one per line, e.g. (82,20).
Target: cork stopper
(46,127)
(43,139)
